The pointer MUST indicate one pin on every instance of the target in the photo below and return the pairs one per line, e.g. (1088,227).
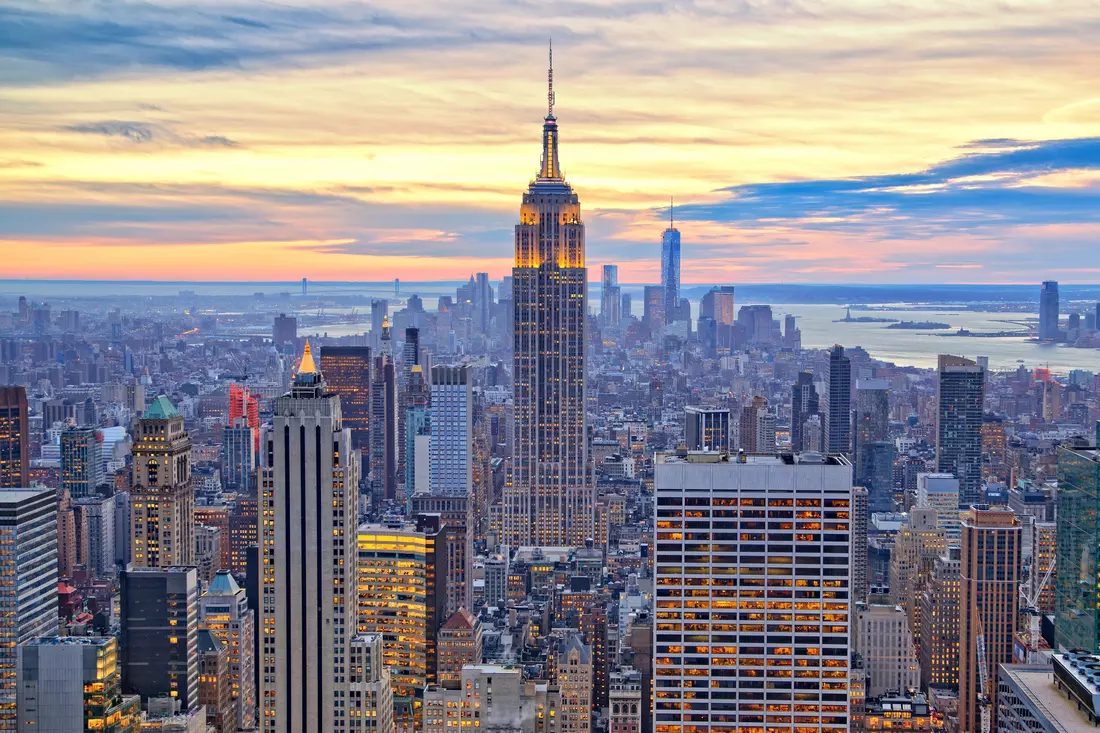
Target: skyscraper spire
(550,80)
(550,169)
(671,221)
(308,366)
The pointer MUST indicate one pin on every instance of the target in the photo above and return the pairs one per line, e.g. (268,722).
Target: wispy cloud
(146,133)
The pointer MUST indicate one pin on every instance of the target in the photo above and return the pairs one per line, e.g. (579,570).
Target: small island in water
(919,325)
(863,319)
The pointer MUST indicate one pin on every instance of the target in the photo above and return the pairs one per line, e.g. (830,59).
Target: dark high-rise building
(285,330)
(804,403)
(626,306)
(1048,311)
(15,456)
(670,269)
(838,402)
(959,425)
(653,308)
(757,322)
(160,633)
(410,358)
(551,498)
(707,428)
(80,461)
(383,428)
(873,453)
(347,373)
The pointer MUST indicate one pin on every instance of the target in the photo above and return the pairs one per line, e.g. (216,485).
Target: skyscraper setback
(550,499)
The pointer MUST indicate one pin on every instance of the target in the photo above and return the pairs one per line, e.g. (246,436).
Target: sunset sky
(844,141)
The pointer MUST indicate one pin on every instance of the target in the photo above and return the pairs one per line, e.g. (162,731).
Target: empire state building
(550,498)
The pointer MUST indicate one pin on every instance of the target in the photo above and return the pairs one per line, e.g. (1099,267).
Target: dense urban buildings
(489,503)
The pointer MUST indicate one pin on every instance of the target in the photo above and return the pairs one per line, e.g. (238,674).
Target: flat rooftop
(755,459)
(69,640)
(1061,712)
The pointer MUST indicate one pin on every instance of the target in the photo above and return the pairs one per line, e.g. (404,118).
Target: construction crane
(1030,606)
(984,701)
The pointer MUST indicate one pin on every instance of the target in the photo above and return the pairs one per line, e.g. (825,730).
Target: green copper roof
(160,409)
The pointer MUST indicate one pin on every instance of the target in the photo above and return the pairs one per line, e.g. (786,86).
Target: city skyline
(274,140)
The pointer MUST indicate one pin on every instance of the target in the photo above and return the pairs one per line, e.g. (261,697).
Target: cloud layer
(803,141)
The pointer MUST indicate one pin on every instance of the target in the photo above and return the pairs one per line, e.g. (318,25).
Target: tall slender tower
(838,402)
(550,499)
(308,536)
(670,268)
(960,390)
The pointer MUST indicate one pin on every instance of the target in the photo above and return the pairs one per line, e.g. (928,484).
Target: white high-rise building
(940,491)
(451,445)
(308,535)
(28,574)
(752,575)
(370,688)
(886,643)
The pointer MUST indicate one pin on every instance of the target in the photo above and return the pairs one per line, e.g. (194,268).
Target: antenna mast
(550,81)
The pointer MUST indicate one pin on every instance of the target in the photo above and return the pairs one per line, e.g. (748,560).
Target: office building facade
(773,534)
(988,601)
(707,428)
(74,683)
(347,371)
(160,634)
(402,598)
(1076,582)
(28,575)
(451,446)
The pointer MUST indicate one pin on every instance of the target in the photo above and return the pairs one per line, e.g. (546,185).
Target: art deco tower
(307,542)
(550,499)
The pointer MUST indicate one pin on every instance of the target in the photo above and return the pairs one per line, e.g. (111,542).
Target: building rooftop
(754,459)
(1037,684)
(15,495)
(69,641)
(160,409)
